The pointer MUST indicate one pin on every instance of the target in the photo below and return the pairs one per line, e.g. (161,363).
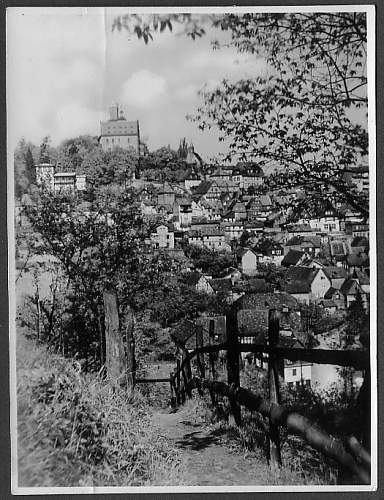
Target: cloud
(55,66)
(78,120)
(143,88)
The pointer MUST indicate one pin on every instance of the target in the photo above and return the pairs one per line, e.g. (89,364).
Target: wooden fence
(120,364)
(351,455)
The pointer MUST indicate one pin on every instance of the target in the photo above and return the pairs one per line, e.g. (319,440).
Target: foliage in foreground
(73,430)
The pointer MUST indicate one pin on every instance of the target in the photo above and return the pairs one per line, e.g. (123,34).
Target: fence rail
(352,456)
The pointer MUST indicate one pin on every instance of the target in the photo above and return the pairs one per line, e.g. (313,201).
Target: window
(308,383)
(293,372)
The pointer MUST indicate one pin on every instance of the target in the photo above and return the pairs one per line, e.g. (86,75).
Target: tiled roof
(276,300)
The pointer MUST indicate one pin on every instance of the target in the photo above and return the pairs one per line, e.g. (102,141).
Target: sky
(66,66)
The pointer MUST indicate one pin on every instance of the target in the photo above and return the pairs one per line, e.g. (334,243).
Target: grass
(302,465)
(75,430)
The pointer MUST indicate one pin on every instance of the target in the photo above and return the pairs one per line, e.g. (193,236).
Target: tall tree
(306,114)
(30,166)
(183,148)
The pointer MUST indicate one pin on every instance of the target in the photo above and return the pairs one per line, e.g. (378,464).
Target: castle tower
(113,111)
(118,132)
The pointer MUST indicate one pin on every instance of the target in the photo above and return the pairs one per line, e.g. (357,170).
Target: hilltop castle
(118,132)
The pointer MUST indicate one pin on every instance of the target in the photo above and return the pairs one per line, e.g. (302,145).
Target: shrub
(75,430)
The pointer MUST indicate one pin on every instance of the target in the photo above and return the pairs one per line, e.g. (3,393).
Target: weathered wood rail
(121,369)
(351,455)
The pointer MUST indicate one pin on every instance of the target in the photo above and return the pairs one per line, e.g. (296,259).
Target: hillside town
(193,240)
(319,260)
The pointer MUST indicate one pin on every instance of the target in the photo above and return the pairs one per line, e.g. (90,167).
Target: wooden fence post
(211,358)
(200,357)
(273,380)
(178,381)
(233,366)
(187,373)
(130,350)
(117,362)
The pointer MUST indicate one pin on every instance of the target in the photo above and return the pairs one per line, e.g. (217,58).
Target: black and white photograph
(192,249)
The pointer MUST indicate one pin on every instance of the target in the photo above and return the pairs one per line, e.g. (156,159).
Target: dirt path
(206,461)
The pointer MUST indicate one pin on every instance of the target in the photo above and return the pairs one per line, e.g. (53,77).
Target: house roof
(255,285)
(203,187)
(335,272)
(327,303)
(166,189)
(298,279)
(337,248)
(229,271)
(350,287)
(295,228)
(292,257)
(330,292)
(361,276)
(242,251)
(357,259)
(301,273)
(192,279)
(360,241)
(276,300)
(221,285)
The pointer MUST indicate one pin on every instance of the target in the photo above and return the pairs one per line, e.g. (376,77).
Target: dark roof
(361,276)
(328,303)
(229,271)
(301,273)
(192,279)
(350,287)
(255,285)
(331,292)
(292,257)
(276,300)
(357,260)
(202,188)
(253,322)
(222,285)
(335,272)
(337,248)
(298,279)
(360,241)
